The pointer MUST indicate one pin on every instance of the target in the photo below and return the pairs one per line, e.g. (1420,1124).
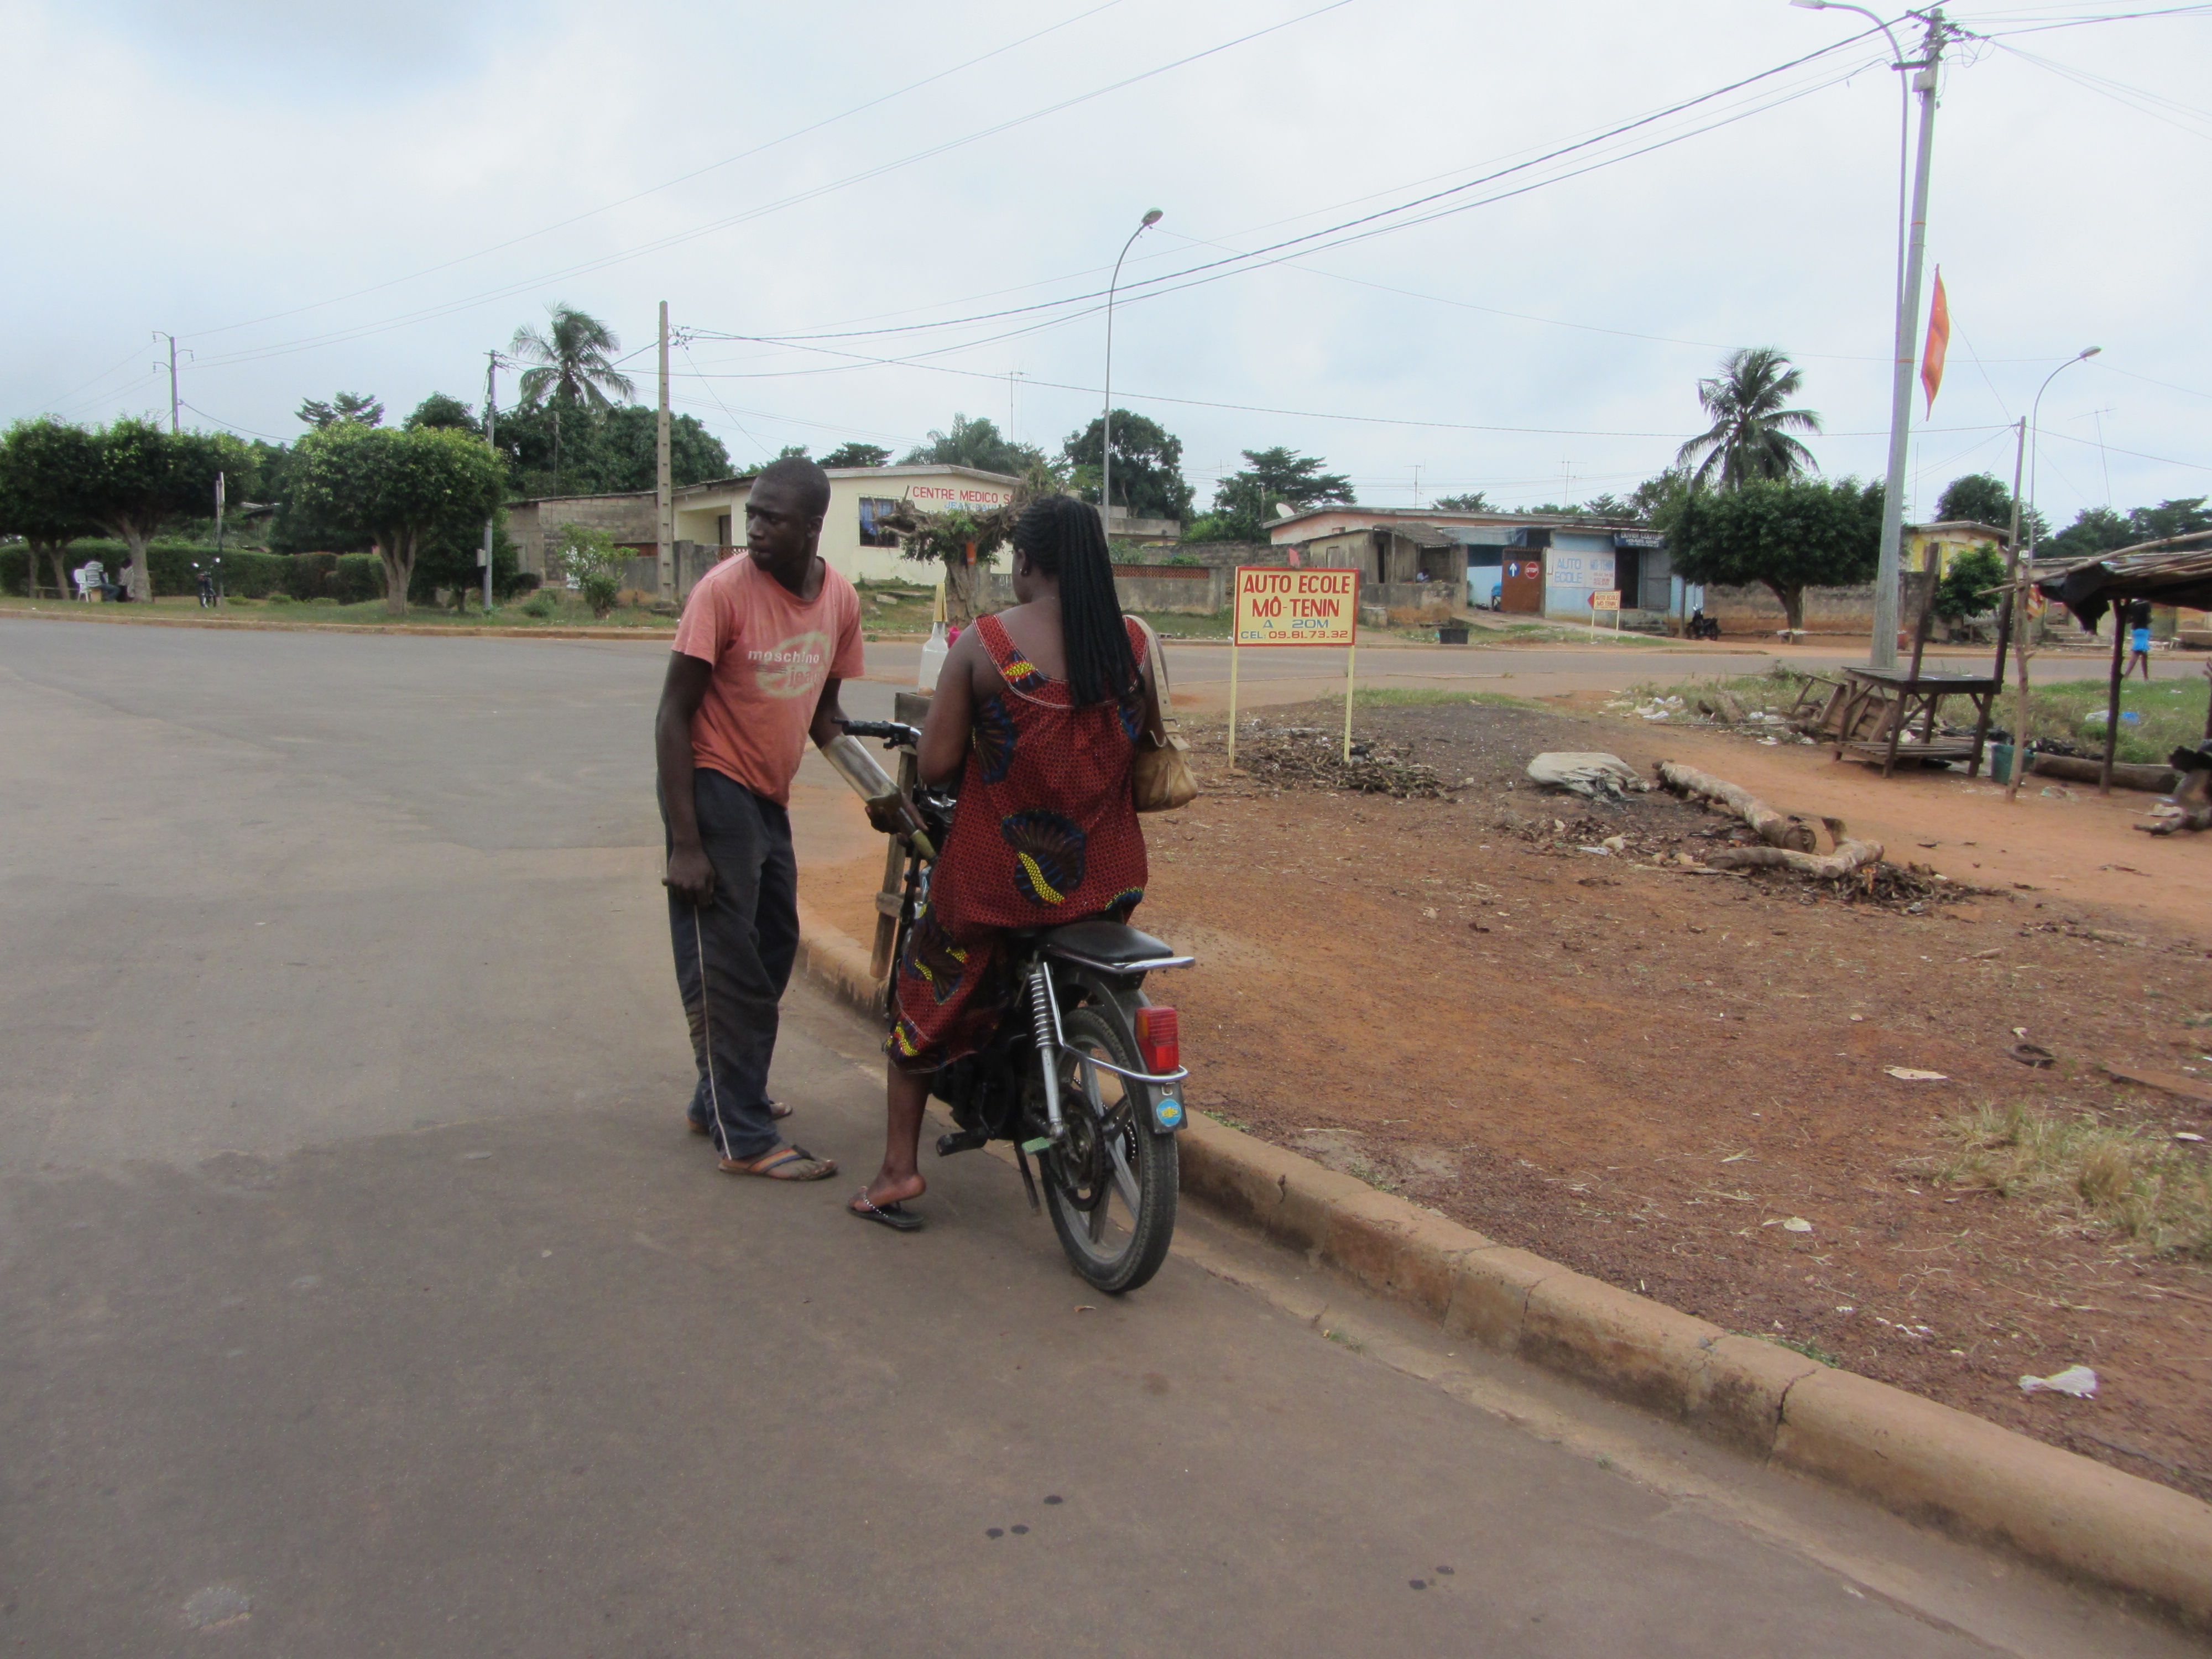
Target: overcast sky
(369,197)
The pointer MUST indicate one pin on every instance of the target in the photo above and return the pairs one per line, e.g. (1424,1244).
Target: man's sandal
(782,1164)
(894,1215)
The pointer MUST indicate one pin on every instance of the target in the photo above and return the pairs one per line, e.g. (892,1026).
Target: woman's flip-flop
(782,1164)
(896,1216)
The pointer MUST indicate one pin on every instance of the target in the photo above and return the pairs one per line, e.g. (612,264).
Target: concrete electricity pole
(491,434)
(172,339)
(1884,651)
(664,485)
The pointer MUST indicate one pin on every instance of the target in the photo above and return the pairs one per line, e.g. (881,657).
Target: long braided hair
(1062,537)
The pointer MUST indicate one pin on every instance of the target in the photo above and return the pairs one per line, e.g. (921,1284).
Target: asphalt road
(363,1295)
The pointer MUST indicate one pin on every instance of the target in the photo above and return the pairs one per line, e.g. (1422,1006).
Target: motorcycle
(1084,1073)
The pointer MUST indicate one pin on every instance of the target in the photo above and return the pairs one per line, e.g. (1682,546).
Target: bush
(1964,590)
(540,606)
(591,558)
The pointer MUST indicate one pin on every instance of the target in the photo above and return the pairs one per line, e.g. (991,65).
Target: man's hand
(689,877)
(894,816)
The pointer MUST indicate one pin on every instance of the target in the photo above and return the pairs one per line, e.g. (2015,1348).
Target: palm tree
(1750,435)
(574,367)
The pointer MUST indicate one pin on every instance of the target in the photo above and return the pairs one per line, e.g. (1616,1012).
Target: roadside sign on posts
(1609,599)
(1277,605)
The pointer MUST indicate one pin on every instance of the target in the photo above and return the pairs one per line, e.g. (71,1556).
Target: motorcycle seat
(1111,946)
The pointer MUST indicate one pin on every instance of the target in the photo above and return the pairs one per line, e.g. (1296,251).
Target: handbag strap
(1158,659)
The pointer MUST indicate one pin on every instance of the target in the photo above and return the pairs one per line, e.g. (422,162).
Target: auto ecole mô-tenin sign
(1277,607)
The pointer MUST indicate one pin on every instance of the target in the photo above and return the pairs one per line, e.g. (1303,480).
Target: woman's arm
(1155,724)
(946,733)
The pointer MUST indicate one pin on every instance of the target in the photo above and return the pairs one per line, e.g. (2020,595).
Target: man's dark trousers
(748,936)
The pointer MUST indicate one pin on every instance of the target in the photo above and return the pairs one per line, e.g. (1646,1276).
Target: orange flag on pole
(1939,341)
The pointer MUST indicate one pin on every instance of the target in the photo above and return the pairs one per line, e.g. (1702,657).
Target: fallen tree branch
(1828,866)
(1776,828)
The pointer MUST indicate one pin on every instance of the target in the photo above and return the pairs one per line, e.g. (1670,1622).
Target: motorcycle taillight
(1156,1040)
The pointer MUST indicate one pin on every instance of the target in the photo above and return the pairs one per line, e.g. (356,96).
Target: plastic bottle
(934,653)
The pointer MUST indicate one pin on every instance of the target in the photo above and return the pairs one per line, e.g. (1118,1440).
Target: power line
(680,179)
(1132,292)
(662,244)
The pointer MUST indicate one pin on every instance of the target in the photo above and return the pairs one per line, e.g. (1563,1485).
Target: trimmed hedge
(349,578)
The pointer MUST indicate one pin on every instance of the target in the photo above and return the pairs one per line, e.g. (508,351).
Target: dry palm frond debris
(1309,756)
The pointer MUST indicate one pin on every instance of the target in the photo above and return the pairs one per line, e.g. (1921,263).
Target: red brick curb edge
(1926,1461)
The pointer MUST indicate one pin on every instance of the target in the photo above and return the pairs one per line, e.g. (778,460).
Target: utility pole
(663,478)
(1883,652)
(491,434)
(172,339)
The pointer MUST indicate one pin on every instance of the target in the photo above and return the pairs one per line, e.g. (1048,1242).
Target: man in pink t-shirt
(762,644)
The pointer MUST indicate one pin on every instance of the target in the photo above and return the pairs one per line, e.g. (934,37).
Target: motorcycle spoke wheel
(1111,1188)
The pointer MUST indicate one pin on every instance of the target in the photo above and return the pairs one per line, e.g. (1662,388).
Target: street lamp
(1912,228)
(2034,413)
(2022,573)
(1106,431)
(1903,115)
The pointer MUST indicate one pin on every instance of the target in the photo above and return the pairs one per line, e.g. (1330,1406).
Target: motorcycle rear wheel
(1111,1189)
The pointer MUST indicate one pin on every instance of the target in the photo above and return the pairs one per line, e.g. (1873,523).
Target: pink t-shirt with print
(771,652)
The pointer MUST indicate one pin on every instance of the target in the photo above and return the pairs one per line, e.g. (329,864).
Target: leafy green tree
(573,369)
(1784,534)
(857,454)
(1653,493)
(43,465)
(1147,478)
(977,443)
(1472,500)
(140,476)
(448,560)
(1245,501)
(440,410)
(344,408)
(2095,530)
(623,453)
(400,489)
(1978,498)
(2175,518)
(1607,505)
(1982,498)
(1749,437)
(606,453)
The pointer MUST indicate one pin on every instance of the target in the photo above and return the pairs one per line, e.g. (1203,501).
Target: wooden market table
(1876,706)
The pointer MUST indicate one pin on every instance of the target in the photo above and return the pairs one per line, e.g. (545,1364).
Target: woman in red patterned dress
(1037,710)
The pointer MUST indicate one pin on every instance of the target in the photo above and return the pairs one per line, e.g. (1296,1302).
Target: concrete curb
(1924,1460)
(92,613)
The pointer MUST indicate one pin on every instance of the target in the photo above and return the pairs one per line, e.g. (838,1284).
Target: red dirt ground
(1642,1073)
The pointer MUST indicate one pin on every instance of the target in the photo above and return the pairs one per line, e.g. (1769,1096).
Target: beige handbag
(1160,778)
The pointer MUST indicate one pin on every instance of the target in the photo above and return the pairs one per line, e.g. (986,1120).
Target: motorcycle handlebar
(896,735)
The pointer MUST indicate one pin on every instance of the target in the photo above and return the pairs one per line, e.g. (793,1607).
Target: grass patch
(2171,711)
(1394,696)
(1187,625)
(1804,1345)
(2129,1181)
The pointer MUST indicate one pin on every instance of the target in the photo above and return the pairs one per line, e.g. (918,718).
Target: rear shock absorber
(1045,1031)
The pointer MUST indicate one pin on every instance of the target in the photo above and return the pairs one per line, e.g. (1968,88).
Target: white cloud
(233,165)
